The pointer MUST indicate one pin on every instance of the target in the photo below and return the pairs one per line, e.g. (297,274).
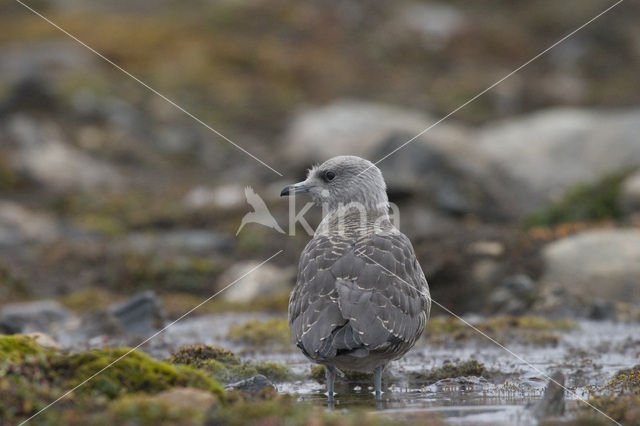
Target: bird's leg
(330,373)
(377,380)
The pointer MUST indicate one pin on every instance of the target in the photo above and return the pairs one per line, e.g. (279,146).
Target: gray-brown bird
(361,298)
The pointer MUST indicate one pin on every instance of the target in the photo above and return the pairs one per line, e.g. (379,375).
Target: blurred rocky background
(118,212)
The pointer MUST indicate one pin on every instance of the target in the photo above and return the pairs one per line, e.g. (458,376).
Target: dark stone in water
(253,385)
(601,310)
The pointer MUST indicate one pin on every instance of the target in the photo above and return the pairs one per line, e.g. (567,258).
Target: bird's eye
(330,175)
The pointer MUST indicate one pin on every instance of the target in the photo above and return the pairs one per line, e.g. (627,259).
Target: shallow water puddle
(588,355)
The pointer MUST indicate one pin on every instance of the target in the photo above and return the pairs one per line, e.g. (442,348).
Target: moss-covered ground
(274,332)
(225,366)
(32,377)
(526,330)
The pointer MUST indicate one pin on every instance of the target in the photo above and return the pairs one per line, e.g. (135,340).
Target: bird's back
(361,298)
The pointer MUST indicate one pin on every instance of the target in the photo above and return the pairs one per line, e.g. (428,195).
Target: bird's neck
(354,219)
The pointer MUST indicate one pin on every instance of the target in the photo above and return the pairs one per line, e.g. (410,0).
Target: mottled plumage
(361,298)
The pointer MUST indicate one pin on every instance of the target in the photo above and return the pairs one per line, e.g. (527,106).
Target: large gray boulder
(601,265)
(442,166)
(545,153)
(347,127)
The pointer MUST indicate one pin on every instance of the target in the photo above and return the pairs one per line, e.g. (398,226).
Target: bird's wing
(313,308)
(255,201)
(368,294)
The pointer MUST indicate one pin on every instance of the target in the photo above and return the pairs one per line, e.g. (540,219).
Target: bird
(261,213)
(361,298)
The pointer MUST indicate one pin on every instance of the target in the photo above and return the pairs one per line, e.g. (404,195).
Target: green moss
(16,348)
(626,381)
(594,202)
(451,370)
(226,367)
(271,332)
(129,372)
(197,355)
(620,397)
(526,330)
(273,371)
(31,377)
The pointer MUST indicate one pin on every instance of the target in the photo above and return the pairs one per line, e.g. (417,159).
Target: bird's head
(344,180)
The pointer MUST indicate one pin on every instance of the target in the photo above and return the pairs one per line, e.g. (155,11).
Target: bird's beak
(296,188)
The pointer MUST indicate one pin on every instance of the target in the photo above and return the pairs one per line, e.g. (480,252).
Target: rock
(253,385)
(31,94)
(141,315)
(600,310)
(269,280)
(545,153)
(487,248)
(435,23)
(552,403)
(45,340)
(436,167)
(44,157)
(514,295)
(630,198)
(187,399)
(41,316)
(94,324)
(20,225)
(595,265)
(446,170)
(346,127)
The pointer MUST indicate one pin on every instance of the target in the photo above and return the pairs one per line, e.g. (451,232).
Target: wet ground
(588,356)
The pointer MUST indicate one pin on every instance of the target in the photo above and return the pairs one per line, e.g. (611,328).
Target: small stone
(487,248)
(269,281)
(222,197)
(253,385)
(45,340)
(141,315)
(552,403)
